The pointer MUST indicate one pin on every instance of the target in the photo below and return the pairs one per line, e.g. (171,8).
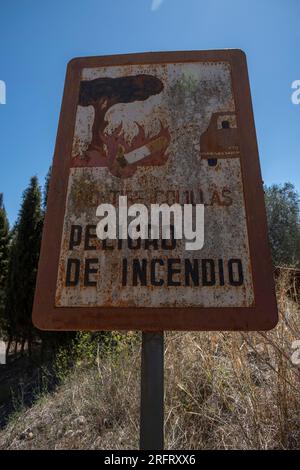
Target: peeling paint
(176,168)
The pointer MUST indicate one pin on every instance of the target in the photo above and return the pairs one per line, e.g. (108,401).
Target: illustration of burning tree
(113,150)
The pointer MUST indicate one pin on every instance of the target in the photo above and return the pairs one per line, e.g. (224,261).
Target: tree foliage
(46,189)
(4,258)
(23,263)
(282,205)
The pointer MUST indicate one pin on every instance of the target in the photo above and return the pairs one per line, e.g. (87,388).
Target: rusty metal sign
(158,128)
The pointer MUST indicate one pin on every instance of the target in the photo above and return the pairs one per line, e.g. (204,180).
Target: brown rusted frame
(262,316)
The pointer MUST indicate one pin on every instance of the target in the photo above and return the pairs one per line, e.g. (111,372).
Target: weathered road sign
(158,128)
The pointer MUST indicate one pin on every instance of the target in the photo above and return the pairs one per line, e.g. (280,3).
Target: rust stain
(161,148)
(163,127)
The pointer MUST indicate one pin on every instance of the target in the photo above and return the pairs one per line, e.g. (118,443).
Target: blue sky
(38,38)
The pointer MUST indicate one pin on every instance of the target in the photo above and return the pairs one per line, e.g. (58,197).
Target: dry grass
(223,391)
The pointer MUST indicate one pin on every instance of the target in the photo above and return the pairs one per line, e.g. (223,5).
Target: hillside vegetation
(222,391)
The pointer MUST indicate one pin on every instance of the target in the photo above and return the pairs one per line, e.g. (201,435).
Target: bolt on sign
(156,128)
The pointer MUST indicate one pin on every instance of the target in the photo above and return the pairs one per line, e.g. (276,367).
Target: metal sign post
(152,391)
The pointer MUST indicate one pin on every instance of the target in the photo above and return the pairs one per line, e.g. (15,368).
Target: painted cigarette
(142,152)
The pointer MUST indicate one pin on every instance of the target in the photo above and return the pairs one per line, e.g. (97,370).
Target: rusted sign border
(261,316)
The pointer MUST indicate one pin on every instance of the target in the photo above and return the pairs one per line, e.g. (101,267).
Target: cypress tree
(23,264)
(4,259)
(46,189)
(53,340)
(10,315)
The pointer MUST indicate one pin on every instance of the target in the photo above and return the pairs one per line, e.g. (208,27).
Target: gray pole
(152,392)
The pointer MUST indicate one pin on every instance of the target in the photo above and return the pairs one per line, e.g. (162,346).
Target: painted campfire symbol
(113,150)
